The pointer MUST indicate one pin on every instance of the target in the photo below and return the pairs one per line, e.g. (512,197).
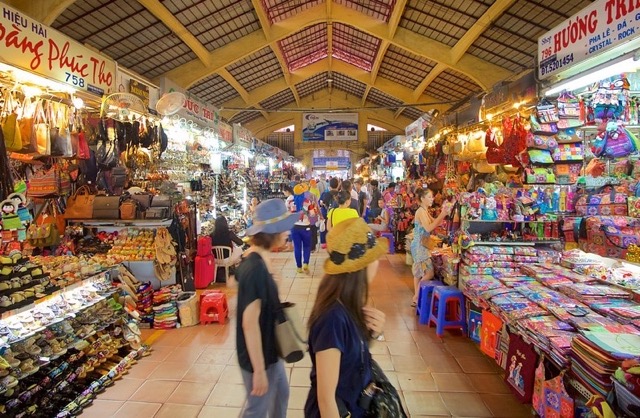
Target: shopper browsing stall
(342,212)
(424,225)
(263,372)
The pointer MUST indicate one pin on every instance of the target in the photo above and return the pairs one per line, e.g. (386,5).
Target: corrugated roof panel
(348,84)
(278,100)
(383,99)
(305,47)
(404,67)
(312,85)
(278,10)
(378,9)
(354,46)
(245,116)
(214,89)
(452,86)
(256,69)
(218,23)
(412,113)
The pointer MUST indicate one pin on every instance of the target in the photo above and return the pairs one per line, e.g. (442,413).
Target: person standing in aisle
(342,325)
(322,183)
(328,200)
(424,225)
(362,196)
(342,212)
(301,232)
(263,373)
(346,186)
(375,197)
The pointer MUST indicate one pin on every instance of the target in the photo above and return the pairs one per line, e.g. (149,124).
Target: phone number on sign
(553,64)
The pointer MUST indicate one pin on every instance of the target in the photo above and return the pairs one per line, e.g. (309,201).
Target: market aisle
(193,371)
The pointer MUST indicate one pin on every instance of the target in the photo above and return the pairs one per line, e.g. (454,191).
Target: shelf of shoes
(59,354)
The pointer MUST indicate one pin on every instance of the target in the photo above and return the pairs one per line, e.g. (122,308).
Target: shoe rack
(59,353)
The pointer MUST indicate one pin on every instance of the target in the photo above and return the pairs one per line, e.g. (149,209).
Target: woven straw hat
(352,246)
(300,188)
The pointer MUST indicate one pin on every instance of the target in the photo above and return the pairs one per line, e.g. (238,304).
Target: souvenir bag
(613,203)
(45,230)
(615,142)
(9,121)
(25,124)
(568,106)
(568,152)
(494,154)
(567,173)
(44,183)
(547,112)
(80,204)
(59,130)
(619,167)
(540,156)
(515,140)
(633,206)
(567,136)
(41,130)
(541,142)
(539,128)
(491,325)
(550,398)
(128,209)
(540,175)
(475,143)
(289,334)
(521,363)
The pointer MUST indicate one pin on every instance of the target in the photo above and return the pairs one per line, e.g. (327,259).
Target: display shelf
(521,243)
(506,222)
(142,223)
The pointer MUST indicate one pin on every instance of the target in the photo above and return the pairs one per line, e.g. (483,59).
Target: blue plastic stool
(392,241)
(447,309)
(424,299)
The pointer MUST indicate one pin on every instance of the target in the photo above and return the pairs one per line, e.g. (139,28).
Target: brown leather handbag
(80,204)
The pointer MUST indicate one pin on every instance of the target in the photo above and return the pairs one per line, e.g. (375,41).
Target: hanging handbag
(25,124)
(290,340)
(129,209)
(59,130)
(46,229)
(106,207)
(80,204)
(143,199)
(44,183)
(550,398)
(9,121)
(41,130)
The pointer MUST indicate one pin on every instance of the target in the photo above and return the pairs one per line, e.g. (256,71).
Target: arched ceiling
(259,61)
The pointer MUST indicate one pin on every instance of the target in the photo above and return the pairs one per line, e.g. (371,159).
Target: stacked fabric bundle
(597,355)
(145,302)
(165,308)
(593,292)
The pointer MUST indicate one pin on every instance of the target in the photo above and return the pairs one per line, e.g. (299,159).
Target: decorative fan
(170,103)
(120,105)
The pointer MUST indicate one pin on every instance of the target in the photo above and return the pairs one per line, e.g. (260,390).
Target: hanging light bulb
(78,103)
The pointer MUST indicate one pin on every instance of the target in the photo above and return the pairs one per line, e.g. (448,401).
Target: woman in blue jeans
(263,372)
(301,203)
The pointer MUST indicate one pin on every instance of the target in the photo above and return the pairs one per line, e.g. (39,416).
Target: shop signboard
(600,27)
(34,47)
(331,163)
(330,127)
(194,109)
(416,129)
(242,136)
(140,90)
(225,132)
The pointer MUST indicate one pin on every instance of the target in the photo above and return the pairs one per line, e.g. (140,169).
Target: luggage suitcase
(204,245)
(205,270)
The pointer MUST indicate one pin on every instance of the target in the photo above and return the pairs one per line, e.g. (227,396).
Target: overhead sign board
(33,46)
(602,26)
(330,127)
(194,108)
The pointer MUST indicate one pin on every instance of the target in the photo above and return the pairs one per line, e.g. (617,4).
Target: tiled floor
(193,371)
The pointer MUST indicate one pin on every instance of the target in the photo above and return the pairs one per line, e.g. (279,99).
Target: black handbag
(161,201)
(106,207)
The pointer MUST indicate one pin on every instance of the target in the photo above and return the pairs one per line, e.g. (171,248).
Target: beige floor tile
(463,348)
(228,395)
(204,373)
(143,369)
(159,353)
(169,370)
(173,410)
(409,364)
(122,389)
(408,348)
(398,335)
(215,356)
(219,411)
(378,347)
(384,361)
(506,406)
(472,364)
(416,382)
(186,354)
(489,383)
(298,397)
(442,364)
(300,377)
(295,413)
(101,408)
(192,393)
(425,403)
(154,391)
(465,404)
(231,374)
(453,382)
(137,410)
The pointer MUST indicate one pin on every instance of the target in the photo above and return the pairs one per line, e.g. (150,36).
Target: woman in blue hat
(262,371)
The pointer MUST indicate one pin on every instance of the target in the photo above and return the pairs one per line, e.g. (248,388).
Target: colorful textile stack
(165,308)
(145,303)
(597,355)
(593,292)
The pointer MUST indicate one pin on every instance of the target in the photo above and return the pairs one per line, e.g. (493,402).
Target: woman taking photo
(424,225)
(341,324)
(263,372)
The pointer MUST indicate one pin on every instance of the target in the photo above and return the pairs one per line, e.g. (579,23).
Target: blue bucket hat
(272,217)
